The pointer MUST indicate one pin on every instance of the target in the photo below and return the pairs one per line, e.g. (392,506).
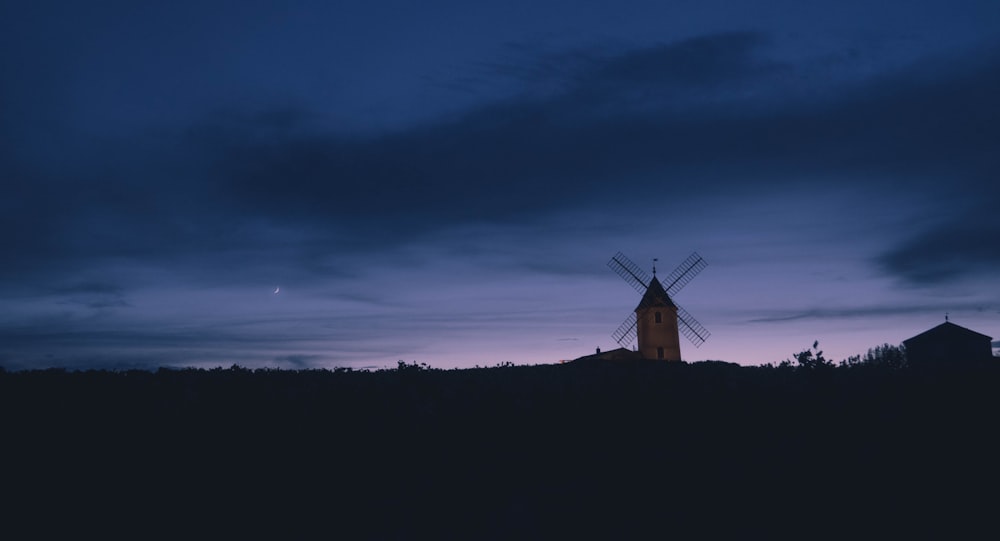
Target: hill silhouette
(599,449)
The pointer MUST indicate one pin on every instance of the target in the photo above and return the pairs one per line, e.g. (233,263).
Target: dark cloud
(662,122)
(96,288)
(97,304)
(967,244)
(703,63)
(298,362)
(95,295)
(67,341)
(212,189)
(865,312)
(525,156)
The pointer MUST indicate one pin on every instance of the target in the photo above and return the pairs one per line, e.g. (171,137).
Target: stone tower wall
(653,335)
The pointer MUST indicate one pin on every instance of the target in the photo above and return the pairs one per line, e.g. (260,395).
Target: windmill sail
(630,272)
(625,334)
(691,329)
(684,273)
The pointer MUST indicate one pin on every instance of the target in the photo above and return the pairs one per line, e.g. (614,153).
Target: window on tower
(657,317)
(659,351)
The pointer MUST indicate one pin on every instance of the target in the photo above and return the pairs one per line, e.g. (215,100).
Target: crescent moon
(276,290)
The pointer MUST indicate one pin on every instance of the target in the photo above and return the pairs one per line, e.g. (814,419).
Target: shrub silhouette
(812,359)
(886,356)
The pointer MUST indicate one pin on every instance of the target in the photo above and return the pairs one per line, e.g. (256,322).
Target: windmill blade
(690,328)
(629,271)
(684,273)
(625,334)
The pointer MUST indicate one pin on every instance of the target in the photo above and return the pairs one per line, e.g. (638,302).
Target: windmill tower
(658,321)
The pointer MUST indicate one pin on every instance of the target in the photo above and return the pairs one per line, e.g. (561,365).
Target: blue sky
(444,182)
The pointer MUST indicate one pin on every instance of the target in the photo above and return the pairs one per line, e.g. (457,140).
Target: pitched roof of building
(620,354)
(655,296)
(947,329)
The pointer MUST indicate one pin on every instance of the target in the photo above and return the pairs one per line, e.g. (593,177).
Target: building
(620,355)
(948,344)
(656,324)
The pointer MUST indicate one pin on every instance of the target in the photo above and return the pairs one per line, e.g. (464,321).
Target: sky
(318,184)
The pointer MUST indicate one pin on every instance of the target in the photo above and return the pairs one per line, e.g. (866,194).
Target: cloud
(863,312)
(96,288)
(214,188)
(599,71)
(95,295)
(665,122)
(98,304)
(298,362)
(963,245)
(619,119)
(69,342)
(703,61)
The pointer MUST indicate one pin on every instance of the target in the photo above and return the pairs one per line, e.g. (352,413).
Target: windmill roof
(655,296)
(947,329)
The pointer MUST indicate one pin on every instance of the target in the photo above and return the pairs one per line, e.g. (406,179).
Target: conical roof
(655,296)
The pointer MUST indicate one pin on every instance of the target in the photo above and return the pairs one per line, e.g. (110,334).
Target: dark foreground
(599,450)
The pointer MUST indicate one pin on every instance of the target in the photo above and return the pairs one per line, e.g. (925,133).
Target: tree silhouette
(812,359)
(885,356)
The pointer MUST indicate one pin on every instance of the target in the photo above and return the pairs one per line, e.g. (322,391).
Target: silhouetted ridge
(601,447)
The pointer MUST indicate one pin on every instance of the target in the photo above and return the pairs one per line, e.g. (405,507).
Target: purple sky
(444,182)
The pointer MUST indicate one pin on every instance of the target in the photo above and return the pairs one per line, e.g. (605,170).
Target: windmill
(658,319)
